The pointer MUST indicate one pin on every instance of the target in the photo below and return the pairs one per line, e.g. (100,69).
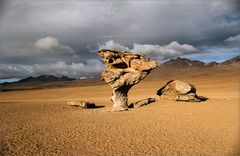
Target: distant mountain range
(172,66)
(183,63)
(42,79)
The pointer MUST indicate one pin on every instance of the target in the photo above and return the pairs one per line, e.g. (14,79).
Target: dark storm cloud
(71,31)
(13,71)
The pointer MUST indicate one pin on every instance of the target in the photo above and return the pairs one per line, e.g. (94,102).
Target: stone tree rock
(180,91)
(124,70)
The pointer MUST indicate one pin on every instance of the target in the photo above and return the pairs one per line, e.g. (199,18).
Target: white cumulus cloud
(173,49)
(52,45)
(13,71)
(233,39)
(75,70)
(112,45)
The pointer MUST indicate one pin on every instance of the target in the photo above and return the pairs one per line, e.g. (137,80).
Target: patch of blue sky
(229,18)
(9,80)
(214,54)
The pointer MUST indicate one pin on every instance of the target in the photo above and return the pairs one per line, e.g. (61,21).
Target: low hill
(35,82)
(45,78)
(182,63)
(233,61)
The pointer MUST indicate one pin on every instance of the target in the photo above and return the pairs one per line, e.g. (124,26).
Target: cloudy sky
(61,37)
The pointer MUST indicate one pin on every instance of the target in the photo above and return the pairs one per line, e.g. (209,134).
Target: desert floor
(39,122)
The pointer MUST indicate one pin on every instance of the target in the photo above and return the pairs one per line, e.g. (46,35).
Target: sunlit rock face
(124,70)
(180,91)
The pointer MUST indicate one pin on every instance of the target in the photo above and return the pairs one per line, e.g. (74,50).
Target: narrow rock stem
(120,98)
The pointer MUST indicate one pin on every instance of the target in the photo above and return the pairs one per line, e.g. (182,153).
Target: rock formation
(82,104)
(142,103)
(124,70)
(180,91)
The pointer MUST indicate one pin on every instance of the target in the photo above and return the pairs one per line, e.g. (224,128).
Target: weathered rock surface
(82,104)
(124,70)
(142,103)
(180,91)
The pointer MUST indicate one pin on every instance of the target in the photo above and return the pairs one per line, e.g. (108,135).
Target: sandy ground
(39,122)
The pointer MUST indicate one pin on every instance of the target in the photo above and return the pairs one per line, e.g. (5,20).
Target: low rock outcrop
(124,70)
(142,103)
(180,91)
(82,104)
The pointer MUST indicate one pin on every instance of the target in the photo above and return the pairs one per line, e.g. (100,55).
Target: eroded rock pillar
(120,98)
(123,70)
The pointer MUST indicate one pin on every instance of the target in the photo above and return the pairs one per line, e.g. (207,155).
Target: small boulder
(142,103)
(180,91)
(82,104)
